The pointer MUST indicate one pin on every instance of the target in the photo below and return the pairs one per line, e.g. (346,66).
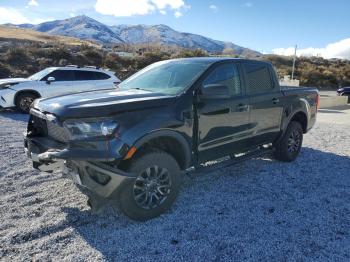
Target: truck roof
(217,59)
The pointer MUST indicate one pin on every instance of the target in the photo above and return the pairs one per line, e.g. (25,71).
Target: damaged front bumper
(83,166)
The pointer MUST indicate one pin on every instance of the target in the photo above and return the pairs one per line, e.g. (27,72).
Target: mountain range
(86,28)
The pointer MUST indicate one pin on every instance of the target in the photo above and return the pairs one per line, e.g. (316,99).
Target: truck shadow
(244,210)
(13,115)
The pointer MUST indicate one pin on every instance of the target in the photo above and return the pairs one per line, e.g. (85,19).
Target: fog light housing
(98,177)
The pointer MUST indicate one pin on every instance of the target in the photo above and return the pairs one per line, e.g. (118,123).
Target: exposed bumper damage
(96,178)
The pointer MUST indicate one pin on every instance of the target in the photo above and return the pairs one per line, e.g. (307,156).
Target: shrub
(17,57)
(5,71)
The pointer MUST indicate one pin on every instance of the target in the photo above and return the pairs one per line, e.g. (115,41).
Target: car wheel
(155,188)
(289,147)
(24,101)
(346,94)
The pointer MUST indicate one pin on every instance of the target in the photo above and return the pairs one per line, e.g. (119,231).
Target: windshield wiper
(137,88)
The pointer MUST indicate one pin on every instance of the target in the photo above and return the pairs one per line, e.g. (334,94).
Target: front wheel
(24,101)
(289,147)
(155,188)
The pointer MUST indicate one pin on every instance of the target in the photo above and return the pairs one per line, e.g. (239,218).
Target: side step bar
(229,161)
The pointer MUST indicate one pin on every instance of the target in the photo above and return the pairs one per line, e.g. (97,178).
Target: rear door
(84,81)
(264,99)
(92,80)
(223,124)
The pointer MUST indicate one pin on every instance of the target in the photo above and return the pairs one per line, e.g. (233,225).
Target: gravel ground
(258,210)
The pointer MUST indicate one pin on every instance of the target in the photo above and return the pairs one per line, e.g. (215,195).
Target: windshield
(168,77)
(41,74)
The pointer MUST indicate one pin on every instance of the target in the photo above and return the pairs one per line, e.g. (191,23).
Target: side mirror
(50,79)
(215,91)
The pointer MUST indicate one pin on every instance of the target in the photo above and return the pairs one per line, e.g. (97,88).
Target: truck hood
(102,103)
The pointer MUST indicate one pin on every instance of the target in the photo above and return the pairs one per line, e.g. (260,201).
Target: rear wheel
(24,101)
(289,147)
(155,188)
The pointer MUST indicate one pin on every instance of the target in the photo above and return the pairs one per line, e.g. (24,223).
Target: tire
(347,94)
(159,178)
(290,145)
(24,101)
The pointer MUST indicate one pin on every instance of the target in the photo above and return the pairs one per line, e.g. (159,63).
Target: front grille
(40,126)
(57,132)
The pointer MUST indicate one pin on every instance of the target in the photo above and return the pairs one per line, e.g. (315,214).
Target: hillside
(86,28)
(22,60)
(8,33)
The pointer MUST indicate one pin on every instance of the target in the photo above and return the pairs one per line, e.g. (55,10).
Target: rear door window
(90,75)
(84,75)
(258,77)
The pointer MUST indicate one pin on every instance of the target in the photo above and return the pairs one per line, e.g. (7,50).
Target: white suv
(53,81)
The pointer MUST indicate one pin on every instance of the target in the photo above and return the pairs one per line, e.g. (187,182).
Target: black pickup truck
(132,145)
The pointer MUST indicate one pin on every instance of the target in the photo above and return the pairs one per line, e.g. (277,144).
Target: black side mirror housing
(215,91)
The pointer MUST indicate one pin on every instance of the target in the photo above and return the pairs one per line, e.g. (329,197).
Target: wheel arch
(169,141)
(20,92)
(300,117)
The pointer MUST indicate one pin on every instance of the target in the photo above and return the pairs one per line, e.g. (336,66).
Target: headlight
(80,129)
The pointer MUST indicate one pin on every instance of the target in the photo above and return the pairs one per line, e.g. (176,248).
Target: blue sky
(263,25)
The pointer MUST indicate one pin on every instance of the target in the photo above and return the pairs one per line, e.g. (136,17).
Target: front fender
(181,138)
(7,97)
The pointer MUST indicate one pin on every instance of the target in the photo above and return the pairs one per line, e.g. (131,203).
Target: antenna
(295,54)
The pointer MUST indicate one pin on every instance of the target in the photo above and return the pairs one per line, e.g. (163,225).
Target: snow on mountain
(84,27)
(165,35)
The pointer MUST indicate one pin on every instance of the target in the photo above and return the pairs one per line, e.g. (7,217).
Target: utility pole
(295,55)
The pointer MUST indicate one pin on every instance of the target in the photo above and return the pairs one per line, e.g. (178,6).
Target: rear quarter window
(258,78)
(101,76)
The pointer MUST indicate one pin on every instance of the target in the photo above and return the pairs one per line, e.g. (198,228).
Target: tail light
(318,101)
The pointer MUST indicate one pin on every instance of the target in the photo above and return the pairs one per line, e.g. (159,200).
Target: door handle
(242,107)
(275,100)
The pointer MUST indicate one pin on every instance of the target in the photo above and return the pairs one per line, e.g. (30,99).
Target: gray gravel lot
(258,210)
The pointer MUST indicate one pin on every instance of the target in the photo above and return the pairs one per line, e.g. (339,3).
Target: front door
(223,124)
(62,84)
